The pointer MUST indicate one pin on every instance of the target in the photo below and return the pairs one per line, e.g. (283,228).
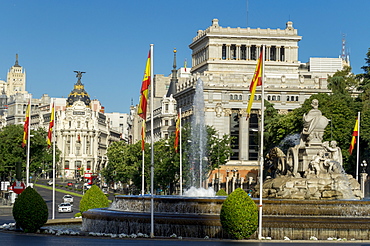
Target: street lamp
(364,165)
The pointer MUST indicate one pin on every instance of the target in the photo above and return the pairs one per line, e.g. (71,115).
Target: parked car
(70,184)
(68,199)
(65,208)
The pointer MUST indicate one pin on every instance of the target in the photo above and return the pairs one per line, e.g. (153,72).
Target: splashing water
(198,140)
(200,192)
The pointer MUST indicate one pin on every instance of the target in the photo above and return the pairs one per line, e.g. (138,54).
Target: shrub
(77,215)
(30,211)
(221,192)
(93,198)
(239,215)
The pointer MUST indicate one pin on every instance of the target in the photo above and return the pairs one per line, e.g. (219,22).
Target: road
(47,195)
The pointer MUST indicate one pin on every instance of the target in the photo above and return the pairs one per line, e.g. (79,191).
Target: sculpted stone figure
(313,124)
(335,151)
(316,161)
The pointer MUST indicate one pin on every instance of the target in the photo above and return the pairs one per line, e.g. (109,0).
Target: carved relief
(218,110)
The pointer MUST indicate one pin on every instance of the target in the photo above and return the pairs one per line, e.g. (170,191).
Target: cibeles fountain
(307,195)
(312,169)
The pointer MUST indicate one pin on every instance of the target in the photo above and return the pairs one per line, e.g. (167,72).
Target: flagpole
(358,145)
(28,144)
(261,140)
(53,136)
(152,143)
(180,153)
(142,161)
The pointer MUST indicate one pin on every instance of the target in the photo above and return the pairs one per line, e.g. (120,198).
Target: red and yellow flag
(143,136)
(51,125)
(141,111)
(177,133)
(354,135)
(256,81)
(26,125)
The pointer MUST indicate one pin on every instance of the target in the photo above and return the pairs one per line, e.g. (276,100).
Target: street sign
(18,187)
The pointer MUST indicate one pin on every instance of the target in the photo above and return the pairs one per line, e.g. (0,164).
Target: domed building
(82,132)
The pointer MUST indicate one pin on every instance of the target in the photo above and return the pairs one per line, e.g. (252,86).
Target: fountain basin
(199,217)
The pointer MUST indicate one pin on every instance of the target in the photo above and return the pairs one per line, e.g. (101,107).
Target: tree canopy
(11,151)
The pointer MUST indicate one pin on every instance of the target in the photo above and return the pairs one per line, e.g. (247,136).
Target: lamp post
(364,165)
(363,177)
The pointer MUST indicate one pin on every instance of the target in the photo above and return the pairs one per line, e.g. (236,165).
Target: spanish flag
(354,135)
(51,125)
(177,133)
(26,124)
(256,81)
(144,90)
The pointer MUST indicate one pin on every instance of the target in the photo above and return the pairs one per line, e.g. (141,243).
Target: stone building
(83,131)
(224,58)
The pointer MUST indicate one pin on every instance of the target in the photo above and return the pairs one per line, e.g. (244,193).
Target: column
(227,185)
(268,53)
(228,52)
(238,51)
(363,180)
(248,50)
(278,53)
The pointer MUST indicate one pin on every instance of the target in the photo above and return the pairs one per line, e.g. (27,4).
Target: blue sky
(109,40)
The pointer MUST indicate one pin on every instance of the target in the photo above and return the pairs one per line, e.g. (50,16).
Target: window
(88,165)
(233,52)
(66,164)
(253,52)
(282,54)
(166,122)
(243,53)
(78,165)
(224,52)
(273,53)
(231,97)
(166,107)
(240,97)
(253,137)
(234,133)
(235,97)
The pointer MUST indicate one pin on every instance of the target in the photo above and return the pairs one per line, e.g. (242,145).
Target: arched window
(268,98)
(292,98)
(273,98)
(240,97)
(278,98)
(235,97)
(287,98)
(231,97)
(296,98)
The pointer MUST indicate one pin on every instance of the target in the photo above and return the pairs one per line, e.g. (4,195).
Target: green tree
(239,215)
(93,198)
(219,149)
(12,153)
(343,82)
(30,211)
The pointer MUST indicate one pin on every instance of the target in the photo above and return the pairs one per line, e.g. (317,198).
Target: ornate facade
(225,59)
